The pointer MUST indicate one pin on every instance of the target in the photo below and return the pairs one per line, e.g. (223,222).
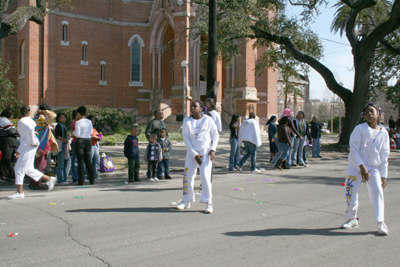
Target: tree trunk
(212,49)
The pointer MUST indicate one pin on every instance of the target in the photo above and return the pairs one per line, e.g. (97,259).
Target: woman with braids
(272,130)
(201,136)
(26,155)
(368,160)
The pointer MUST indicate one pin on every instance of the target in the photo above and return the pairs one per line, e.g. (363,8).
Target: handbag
(106,164)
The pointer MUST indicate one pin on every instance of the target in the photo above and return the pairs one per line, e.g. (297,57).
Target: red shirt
(94,133)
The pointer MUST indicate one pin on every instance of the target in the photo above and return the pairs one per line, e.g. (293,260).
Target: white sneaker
(209,208)
(256,170)
(156,179)
(238,168)
(17,195)
(151,179)
(351,223)
(51,183)
(183,205)
(382,229)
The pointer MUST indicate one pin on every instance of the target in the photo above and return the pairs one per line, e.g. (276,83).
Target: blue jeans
(298,150)
(63,165)
(234,156)
(74,164)
(96,160)
(285,151)
(289,157)
(165,163)
(279,154)
(251,151)
(315,147)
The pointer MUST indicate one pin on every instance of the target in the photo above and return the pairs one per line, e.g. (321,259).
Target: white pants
(25,166)
(375,190)
(205,174)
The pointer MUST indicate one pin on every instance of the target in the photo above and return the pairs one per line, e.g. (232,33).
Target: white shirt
(83,128)
(369,147)
(250,132)
(197,134)
(217,119)
(26,128)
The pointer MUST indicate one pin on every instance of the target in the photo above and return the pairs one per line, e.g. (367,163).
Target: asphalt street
(274,218)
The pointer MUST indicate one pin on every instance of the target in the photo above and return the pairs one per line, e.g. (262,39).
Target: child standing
(368,159)
(152,156)
(166,147)
(131,152)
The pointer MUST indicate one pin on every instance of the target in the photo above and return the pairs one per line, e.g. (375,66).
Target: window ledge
(84,62)
(135,84)
(64,42)
(103,83)
(22,76)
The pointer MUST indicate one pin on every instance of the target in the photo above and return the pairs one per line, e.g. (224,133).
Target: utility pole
(212,48)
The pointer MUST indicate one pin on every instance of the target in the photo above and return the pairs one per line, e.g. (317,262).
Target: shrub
(108,120)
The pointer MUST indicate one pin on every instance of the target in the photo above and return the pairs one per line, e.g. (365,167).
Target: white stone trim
(137,84)
(94,19)
(85,63)
(140,40)
(84,43)
(103,63)
(65,43)
(21,76)
(64,22)
(181,14)
(103,83)
(261,93)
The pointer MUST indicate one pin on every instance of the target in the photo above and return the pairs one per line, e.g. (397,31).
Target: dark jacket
(157,152)
(165,144)
(291,126)
(284,133)
(154,126)
(131,147)
(272,130)
(392,123)
(315,130)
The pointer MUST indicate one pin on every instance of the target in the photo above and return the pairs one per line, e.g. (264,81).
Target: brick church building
(127,54)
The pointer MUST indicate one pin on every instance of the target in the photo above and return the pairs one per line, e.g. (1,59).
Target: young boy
(131,151)
(152,156)
(166,146)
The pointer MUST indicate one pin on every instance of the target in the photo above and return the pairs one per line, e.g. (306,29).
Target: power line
(335,42)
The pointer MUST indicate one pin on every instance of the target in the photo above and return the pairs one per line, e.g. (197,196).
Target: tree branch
(383,29)
(328,76)
(389,47)
(3,7)
(17,20)
(310,6)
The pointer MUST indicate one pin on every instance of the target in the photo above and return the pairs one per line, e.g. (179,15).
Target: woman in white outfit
(201,136)
(368,159)
(26,155)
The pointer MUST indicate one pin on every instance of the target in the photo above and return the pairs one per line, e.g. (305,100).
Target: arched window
(64,40)
(103,73)
(84,53)
(22,60)
(136,44)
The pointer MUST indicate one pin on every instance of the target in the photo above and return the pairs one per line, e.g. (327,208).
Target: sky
(337,54)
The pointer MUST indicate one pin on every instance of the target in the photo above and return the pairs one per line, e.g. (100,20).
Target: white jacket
(250,131)
(199,138)
(26,128)
(365,150)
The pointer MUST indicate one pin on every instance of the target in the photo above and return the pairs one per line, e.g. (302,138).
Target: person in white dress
(26,155)
(209,103)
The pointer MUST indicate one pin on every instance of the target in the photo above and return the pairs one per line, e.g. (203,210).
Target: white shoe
(151,179)
(256,170)
(183,205)
(17,195)
(351,223)
(209,208)
(51,183)
(156,179)
(382,229)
